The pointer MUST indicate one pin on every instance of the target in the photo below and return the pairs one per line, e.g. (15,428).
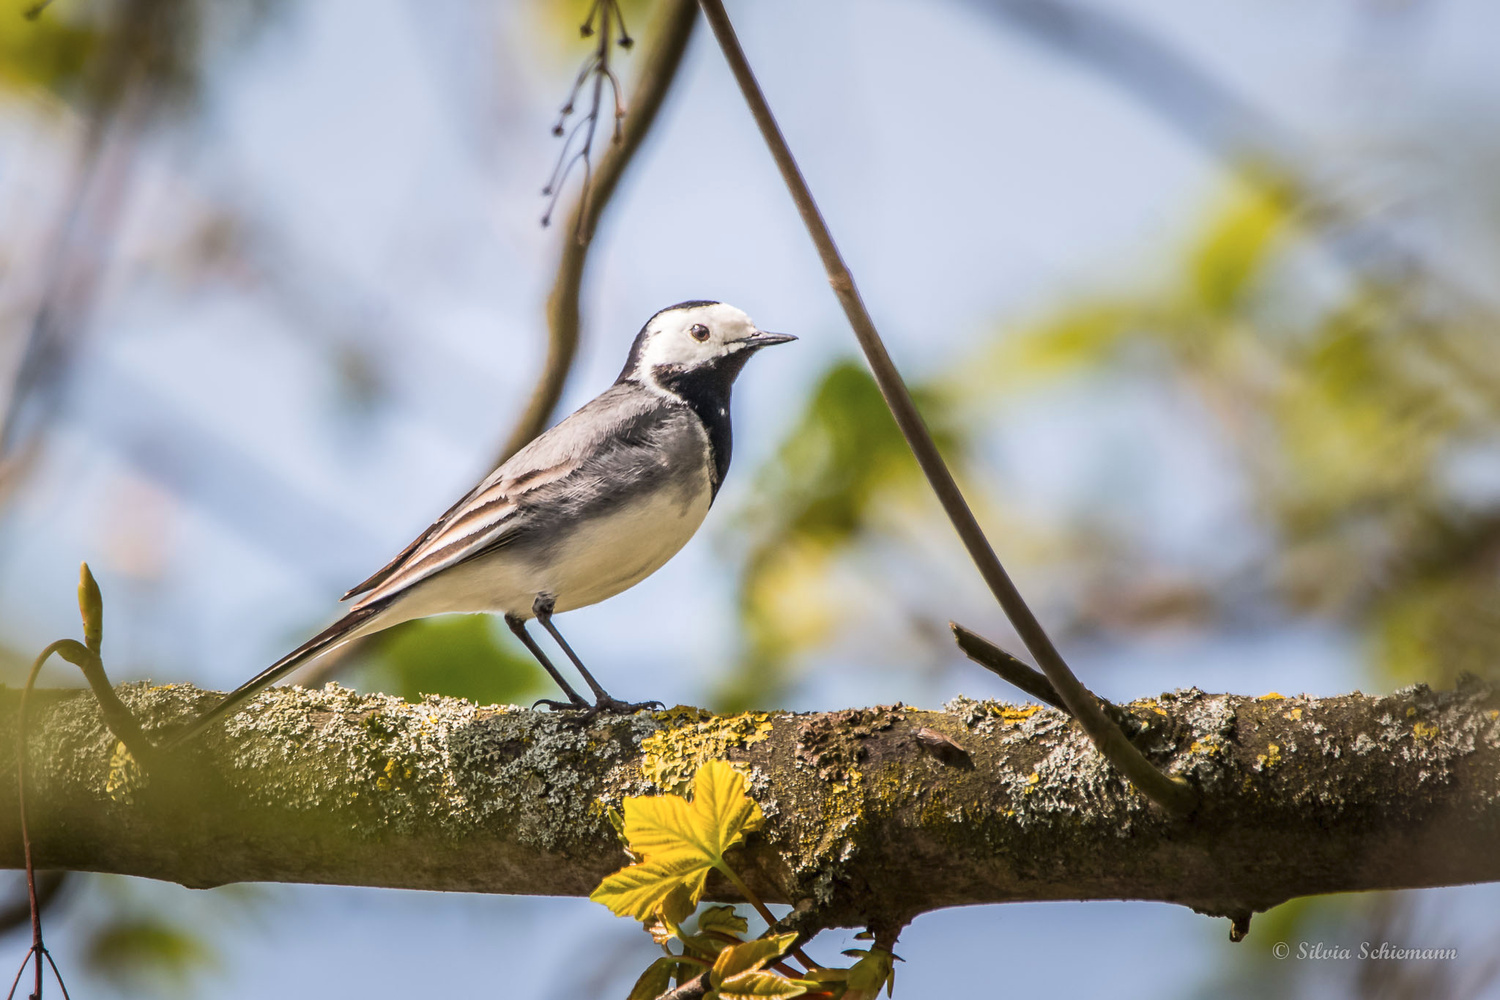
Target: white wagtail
(591,507)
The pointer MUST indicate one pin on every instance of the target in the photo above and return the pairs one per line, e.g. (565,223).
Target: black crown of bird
(588,509)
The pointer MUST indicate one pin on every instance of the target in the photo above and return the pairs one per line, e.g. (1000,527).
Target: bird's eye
(699,332)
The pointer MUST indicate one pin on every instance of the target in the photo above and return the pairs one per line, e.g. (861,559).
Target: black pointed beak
(760,338)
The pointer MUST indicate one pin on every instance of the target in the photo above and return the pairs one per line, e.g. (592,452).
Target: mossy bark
(873,815)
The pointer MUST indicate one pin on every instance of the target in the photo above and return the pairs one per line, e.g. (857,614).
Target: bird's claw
(562,706)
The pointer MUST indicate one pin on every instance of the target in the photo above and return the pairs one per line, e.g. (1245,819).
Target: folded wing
(485,517)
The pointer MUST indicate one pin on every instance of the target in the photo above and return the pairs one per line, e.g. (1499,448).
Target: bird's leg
(602,700)
(575,700)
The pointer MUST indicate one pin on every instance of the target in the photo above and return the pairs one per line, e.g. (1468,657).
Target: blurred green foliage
(841,473)
(148,953)
(1346,413)
(48,51)
(1348,401)
(463,656)
(96,53)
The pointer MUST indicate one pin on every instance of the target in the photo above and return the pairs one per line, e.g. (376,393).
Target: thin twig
(1021,674)
(608,14)
(117,717)
(996,660)
(38,949)
(1172,794)
(56,975)
(694,989)
(658,71)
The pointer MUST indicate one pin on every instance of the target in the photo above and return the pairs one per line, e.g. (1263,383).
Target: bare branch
(1006,666)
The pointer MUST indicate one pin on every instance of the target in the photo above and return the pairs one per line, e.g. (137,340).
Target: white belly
(596,560)
(618,552)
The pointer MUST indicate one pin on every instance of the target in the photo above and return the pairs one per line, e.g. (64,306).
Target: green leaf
(725,810)
(704,947)
(1234,252)
(876,969)
(654,981)
(722,920)
(640,890)
(751,956)
(749,985)
(717,819)
(677,907)
(679,841)
(135,952)
(53,51)
(656,825)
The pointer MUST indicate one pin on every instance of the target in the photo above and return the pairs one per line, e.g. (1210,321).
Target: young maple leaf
(679,841)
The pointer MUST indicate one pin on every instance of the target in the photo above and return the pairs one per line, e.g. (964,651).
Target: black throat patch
(706,388)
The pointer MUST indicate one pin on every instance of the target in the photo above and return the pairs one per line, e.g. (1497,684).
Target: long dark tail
(339,632)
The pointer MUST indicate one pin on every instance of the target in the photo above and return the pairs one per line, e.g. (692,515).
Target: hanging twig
(658,71)
(38,950)
(1173,794)
(596,68)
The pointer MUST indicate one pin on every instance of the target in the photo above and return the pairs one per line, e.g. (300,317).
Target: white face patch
(670,339)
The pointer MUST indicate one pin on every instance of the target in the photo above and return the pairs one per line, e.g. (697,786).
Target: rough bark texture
(874,815)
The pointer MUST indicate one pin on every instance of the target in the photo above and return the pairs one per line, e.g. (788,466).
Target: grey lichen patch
(1067,778)
(441,765)
(1346,751)
(1205,756)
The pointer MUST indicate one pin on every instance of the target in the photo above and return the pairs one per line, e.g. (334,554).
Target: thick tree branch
(869,823)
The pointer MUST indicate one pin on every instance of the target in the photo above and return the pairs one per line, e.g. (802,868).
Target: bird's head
(696,337)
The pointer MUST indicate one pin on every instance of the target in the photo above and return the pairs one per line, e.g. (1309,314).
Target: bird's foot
(576,705)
